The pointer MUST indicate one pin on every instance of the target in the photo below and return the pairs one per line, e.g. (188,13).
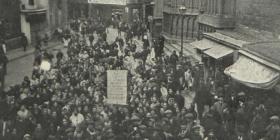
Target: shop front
(106,9)
(257,66)
(215,58)
(252,73)
(256,74)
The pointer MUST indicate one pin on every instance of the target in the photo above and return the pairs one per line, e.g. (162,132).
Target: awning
(253,74)
(203,44)
(212,48)
(218,51)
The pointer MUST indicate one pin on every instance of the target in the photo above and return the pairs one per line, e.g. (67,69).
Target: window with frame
(31,2)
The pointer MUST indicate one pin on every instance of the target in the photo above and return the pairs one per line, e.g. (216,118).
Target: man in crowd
(3,56)
(24,41)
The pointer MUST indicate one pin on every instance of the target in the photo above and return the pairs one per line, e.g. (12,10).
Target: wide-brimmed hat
(149,115)
(183,125)
(142,127)
(168,112)
(211,132)
(135,118)
(241,94)
(196,127)
(275,118)
(27,135)
(189,115)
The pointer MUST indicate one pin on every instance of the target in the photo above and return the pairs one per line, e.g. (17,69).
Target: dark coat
(24,41)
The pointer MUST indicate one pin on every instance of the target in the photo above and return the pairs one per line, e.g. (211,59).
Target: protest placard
(117,87)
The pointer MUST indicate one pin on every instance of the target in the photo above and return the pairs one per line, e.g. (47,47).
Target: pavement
(21,63)
(19,53)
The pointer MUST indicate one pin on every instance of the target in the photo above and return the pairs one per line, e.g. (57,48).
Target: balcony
(34,11)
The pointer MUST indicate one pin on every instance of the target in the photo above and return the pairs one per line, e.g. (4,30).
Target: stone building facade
(42,17)
(216,31)
(263,15)
(206,16)
(216,14)
(57,14)
(78,8)
(140,10)
(95,9)
(172,19)
(226,27)
(10,22)
(157,18)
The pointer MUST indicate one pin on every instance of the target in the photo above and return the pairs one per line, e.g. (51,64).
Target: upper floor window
(31,2)
(167,2)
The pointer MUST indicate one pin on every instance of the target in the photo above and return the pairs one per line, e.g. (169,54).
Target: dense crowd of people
(167,99)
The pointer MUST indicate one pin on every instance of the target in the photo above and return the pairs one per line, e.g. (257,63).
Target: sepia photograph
(139,69)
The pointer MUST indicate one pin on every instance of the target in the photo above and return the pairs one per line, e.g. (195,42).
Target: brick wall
(259,14)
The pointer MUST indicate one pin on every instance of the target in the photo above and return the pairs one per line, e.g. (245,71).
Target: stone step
(167,50)
(187,50)
(172,48)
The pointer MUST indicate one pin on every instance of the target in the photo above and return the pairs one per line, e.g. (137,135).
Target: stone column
(65,11)
(171,24)
(208,6)
(187,29)
(130,14)
(144,12)
(233,8)
(222,6)
(212,7)
(196,3)
(193,26)
(176,25)
(215,7)
(219,9)
(89,10)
